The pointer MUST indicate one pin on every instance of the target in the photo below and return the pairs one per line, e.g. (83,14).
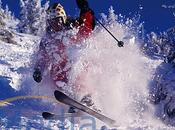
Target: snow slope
(120,79)
(16,57)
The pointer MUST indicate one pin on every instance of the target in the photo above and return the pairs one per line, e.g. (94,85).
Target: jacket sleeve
(86,22)
(42,57)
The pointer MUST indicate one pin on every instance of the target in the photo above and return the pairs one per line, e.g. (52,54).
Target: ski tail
(53,116)
(47,115)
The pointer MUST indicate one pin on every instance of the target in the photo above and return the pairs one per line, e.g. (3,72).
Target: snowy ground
(121,80)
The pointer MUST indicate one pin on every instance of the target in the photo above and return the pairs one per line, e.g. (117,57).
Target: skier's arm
(84,7)
(86,20)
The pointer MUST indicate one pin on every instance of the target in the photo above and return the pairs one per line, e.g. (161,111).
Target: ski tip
(47,115)
(56,92)
(59,95)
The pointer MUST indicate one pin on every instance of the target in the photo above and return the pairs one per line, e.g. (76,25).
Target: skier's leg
(86,92)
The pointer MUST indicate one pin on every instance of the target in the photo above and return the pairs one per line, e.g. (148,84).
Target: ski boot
(87,100)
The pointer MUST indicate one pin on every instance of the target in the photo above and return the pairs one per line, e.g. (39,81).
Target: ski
(52,116)
(61,97)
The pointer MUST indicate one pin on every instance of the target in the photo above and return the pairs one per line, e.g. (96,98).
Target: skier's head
(56,15)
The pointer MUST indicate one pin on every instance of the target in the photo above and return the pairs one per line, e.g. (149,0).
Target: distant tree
(23,24)
(33,17)
(2,16)
(7,11)
(32,20)
(0,4)
(7,19)
(162,45)
(43,16)
(112,16)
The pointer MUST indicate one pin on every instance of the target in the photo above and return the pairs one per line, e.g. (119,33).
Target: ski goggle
(58,20)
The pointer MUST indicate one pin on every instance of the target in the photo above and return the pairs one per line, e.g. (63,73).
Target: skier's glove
(82,4)
(37,75)
(120,43)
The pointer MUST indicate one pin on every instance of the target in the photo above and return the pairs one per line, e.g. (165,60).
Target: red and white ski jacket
(52,50)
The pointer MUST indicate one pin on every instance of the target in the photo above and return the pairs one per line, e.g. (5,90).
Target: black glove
(82,4)
(37,75)
(120,43)
(70,23)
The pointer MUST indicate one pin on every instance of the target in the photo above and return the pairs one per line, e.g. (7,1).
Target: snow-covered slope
(16,58)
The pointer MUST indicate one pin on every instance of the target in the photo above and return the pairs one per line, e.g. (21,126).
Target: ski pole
(120,43)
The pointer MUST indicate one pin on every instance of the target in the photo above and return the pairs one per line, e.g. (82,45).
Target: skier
(52,49)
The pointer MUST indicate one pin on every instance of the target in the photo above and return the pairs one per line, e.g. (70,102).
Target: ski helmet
(56,10)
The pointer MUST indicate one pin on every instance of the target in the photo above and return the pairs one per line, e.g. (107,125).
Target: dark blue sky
(154,16)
